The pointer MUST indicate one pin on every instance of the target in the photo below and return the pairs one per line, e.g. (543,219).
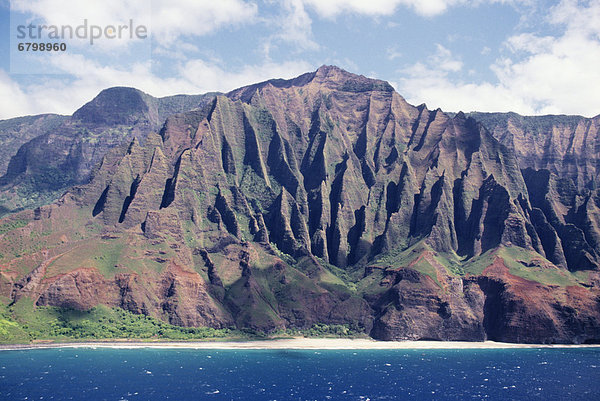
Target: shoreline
(298,343)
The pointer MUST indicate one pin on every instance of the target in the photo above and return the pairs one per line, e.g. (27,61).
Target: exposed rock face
(17,131)
(556,314)
(564,145)
(187,302)
(325,199)
(559,161)
(416,308)
(67,149)
(78,289)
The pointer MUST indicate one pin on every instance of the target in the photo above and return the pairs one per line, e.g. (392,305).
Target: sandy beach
(295,343)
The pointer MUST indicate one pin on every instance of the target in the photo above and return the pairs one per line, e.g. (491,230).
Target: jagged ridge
(449,233)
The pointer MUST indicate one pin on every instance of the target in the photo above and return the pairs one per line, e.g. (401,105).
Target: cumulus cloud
(550,73)
(56,95)
(435,82)
(61,12)
(444,60)
(295,22)
(14,101)
(168,19)
(174,18)
(542,74)
(176,27)
(422,83)
(293,26)
(75,14)
(210,77)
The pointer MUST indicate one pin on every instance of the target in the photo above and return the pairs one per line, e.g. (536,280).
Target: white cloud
(434,83)
(423,84)
(62,12)
(427,8)
(206,77)
(73,13)
(530,43)
(293,26)
(54,95)
(174,18)
(331,8)
(543,75)
(584,20)
(13,102)
(559,74)
(444,60)
(175,23)
(170,19)
(392,53)
(540,73)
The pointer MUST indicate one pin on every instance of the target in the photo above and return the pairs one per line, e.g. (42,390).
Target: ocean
(187,374)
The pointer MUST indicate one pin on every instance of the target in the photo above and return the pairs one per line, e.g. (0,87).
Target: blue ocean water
(185,374)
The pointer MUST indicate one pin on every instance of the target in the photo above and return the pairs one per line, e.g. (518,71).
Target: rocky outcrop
(569,314)
(559,161)
(417,308)
(79,289)
(185,299)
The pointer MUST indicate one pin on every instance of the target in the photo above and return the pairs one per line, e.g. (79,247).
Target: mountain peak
(335,72)
(340,79)
(328,69)
(114,105)
(329,76)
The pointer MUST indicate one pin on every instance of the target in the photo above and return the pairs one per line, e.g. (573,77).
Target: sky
(528,56)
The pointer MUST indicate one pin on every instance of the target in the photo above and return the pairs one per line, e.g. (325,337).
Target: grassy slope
(520,262)
(517,260)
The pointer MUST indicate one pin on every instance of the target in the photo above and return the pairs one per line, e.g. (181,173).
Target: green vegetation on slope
(12,225)
(321,330)
(23,322)
(523,263)
(412,257)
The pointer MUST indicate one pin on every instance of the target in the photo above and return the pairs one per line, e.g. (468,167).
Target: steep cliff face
(17,131)
(564,145)
(67,150)
(559,159)
(322,199)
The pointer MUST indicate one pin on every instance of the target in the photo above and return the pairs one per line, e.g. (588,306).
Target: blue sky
(528,56)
